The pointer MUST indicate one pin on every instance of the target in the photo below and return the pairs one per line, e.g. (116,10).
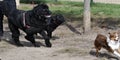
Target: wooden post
(86,17)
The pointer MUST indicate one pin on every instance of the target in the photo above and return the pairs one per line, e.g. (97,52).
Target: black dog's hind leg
(15,34)
(32,40)
(47,39)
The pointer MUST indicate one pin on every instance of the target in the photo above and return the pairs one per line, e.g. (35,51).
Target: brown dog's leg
(97,50)
(118,50)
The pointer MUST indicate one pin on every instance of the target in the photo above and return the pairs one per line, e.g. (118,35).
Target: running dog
(110,43)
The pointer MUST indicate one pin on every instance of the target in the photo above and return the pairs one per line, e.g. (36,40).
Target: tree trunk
(86,17)
(17,2)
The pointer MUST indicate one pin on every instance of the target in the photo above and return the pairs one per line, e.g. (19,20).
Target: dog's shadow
(25,43)
(101,55)
(8,39)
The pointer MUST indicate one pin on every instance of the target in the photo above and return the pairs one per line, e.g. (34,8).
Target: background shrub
(30,1)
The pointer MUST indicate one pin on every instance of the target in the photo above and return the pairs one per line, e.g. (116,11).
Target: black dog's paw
(48,44)
(19,44)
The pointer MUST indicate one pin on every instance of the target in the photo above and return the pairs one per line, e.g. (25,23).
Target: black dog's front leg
(47,39)
(32,40)
(49,31)
(49,34)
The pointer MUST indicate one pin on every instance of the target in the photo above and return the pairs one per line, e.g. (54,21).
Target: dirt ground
(69,43)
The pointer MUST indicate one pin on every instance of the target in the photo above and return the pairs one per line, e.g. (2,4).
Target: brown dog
(110,43)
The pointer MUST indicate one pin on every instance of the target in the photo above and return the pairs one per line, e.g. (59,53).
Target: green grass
(106,10)
(74,10)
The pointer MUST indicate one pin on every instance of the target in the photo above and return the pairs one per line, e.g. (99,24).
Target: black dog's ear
(36,10)
(39,6)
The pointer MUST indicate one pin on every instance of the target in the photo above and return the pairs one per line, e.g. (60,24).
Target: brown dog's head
(113,36)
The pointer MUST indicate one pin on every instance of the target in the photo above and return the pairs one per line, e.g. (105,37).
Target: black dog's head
(42,11)
(58,19)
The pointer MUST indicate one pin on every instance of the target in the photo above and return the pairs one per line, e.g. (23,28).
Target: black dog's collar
(24,22)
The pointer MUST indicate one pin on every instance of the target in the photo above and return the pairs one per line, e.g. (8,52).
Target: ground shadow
(28,44)
(101,55)
(25,43)
(109,23)
(72,28)
(7,38)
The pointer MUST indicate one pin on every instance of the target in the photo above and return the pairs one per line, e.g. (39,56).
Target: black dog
(31,22)
(52,23)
